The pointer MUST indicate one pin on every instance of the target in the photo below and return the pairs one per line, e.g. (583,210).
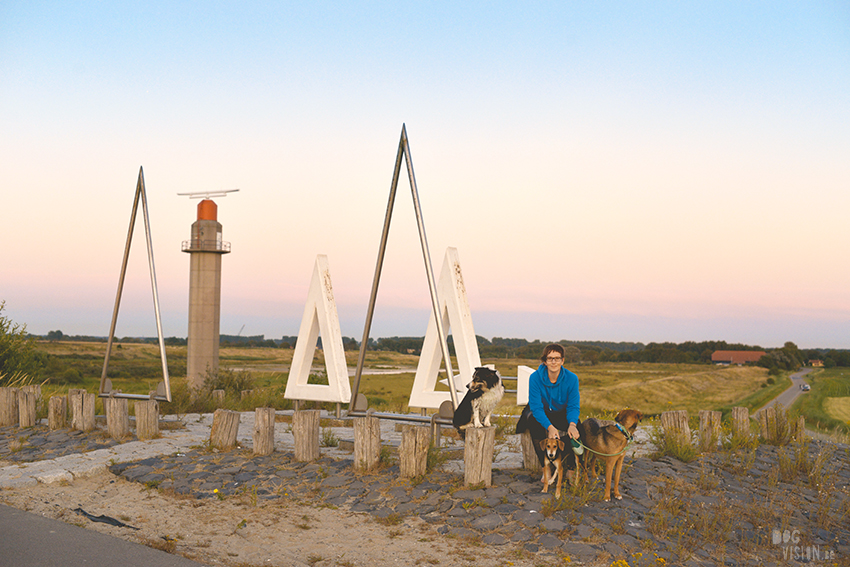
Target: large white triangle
(454,310)
(320,316)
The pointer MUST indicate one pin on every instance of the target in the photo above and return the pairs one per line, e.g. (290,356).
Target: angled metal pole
(154,290)
(376,280)
(403,151)
(121,282)
(426,254)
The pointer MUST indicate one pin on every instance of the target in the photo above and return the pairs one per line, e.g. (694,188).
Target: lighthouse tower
(205,250)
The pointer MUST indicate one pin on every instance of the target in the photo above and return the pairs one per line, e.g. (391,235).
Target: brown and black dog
(554,463)
(607,440)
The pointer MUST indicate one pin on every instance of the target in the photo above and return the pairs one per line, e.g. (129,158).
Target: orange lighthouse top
(207,210)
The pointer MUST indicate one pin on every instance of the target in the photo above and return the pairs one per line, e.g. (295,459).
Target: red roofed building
(738,357)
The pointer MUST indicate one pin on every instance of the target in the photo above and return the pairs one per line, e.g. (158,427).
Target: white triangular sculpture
(523,375)
(320,316)
(454,310)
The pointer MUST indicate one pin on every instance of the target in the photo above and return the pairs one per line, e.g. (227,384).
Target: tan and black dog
(554,463)
(607,440)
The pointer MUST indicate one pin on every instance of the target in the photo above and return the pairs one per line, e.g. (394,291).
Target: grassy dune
(665,387)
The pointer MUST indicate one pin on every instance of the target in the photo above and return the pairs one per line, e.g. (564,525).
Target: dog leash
(629,440)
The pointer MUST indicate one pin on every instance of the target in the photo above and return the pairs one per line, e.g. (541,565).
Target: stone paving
(747,508)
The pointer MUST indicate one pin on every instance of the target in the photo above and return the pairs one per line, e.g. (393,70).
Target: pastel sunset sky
(617,171)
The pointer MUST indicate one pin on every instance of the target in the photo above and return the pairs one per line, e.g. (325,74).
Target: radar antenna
(207,194)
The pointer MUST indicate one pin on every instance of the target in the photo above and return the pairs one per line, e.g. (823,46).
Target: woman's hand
(553,432)
(573,431)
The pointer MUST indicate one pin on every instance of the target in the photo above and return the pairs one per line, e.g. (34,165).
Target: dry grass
(839,408)
(654,388)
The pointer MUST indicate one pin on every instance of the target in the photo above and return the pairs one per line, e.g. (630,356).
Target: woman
(553,401)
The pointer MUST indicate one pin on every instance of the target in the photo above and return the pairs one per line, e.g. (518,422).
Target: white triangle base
(454,310)
(320,316)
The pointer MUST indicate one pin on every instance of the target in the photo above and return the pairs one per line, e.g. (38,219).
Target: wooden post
(26,408)
(224,429)
(709,430)
(8,407)
(767,424)
(367,443)
(799,433)
(82,409)
(117,417)
(740,423)
(218,398)
(305,430)
(781,426)
(264,431)
(57,413)
(676,428)
(88,421)
(413,451)
(530,462)
(34,389)
(478,455)
(147,419)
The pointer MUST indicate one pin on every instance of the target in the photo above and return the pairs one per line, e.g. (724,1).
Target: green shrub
(20,362)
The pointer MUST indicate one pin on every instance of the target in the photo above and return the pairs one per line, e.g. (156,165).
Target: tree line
(787,357)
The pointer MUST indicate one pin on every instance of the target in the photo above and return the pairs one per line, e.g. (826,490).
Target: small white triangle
(454,310)
(320,318)
(523,377)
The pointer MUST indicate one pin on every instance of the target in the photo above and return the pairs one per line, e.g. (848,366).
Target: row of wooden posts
(412,451)
(773,427)
(76,411)
(18,406)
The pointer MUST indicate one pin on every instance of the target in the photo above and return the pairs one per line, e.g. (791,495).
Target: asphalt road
(30,540)
(788,397)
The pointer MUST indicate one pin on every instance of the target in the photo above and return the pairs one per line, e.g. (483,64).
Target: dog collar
(623,431)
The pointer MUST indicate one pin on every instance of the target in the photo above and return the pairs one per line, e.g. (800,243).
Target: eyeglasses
(554,358)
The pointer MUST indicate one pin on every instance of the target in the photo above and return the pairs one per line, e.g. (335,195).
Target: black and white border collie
(482,396)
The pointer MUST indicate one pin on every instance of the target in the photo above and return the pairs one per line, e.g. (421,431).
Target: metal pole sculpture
(163,390)
(403,151)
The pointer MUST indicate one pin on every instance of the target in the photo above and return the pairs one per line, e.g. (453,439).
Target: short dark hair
(550,348)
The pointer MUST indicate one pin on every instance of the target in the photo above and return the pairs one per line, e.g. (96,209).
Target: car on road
(805,387)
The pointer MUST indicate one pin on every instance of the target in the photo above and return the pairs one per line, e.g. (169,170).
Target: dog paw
(618,497)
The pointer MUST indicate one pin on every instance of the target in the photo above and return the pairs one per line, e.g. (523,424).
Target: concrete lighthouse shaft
(205,250)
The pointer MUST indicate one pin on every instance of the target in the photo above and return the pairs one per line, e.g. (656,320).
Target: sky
(607,171)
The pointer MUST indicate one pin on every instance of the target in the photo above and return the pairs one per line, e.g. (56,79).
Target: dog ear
(561,444)
(542,444)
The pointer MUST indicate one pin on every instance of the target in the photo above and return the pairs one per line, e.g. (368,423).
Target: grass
(827,405)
